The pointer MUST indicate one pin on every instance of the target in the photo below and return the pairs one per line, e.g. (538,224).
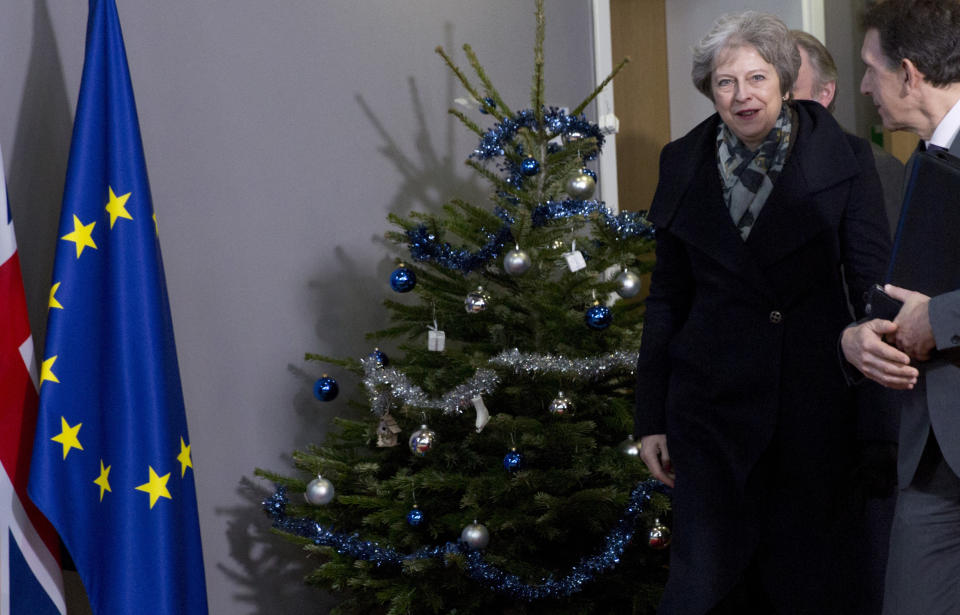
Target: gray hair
(764,32)
(824,68)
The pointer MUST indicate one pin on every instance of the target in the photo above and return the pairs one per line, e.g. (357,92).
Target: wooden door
(641,97)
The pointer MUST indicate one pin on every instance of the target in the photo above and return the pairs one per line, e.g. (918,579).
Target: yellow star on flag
(68,436)
(117,206)
(156,487)
(46,370)
(53,297)
(103,481)
(184,458)
(81,235)
(156,229)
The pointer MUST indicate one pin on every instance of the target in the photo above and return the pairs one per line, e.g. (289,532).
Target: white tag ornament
(574,258)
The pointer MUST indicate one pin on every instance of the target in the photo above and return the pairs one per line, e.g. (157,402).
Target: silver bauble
(422,441)
(573,136)
(476,301)
(630,447)
(475,535)
(581,185)
(561,405)
(319,491)
(659,536)
(516,262)
(628,284)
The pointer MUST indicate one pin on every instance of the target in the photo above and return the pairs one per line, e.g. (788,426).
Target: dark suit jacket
(738,359)
(935,402)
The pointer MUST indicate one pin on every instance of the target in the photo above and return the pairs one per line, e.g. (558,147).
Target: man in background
(912,56)
(873,486)
(818,80)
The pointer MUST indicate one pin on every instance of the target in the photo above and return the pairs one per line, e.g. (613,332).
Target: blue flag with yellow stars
(112,466)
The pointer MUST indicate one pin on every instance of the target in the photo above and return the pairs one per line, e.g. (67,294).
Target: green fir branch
(596,91)
(489,175)
(459,74)
(470,124)
(537,98)
(350,364)
(501,110)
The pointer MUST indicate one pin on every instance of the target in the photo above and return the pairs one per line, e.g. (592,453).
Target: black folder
(926,251)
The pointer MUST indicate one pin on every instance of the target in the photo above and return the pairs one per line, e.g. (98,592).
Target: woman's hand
(653,452)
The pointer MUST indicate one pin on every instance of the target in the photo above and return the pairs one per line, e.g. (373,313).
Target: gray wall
(278,135)
(843,40)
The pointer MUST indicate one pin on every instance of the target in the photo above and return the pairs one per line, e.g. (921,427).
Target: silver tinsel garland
(387,386)
(621,361)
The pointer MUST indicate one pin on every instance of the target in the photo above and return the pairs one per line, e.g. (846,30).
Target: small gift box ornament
(575,260)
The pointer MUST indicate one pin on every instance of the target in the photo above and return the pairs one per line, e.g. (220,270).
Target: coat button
(776,317)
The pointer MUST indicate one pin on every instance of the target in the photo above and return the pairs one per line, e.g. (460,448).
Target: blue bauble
(415,516)
(489,102)
(512,461)
(403,279)
(529,166)
(598,317)
(380,357)
(326,388)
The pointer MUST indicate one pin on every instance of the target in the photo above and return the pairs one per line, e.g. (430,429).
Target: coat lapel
(820,159)
(691,204)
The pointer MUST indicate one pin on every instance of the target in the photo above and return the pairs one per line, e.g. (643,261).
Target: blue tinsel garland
(425,246)
(625,224)
(493,578)
(555,121)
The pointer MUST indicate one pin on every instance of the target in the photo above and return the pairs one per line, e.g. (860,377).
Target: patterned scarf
(748,176)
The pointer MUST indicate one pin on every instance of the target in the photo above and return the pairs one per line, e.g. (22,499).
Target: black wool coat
(739,368)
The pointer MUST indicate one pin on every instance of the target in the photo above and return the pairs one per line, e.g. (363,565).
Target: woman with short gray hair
(767,34)
(742,406)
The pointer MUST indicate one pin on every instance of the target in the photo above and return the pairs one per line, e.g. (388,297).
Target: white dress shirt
(947,129)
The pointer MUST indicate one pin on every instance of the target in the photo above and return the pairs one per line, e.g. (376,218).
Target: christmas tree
(491,471)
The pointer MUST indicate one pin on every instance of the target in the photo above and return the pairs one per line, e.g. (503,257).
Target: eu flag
(112,466)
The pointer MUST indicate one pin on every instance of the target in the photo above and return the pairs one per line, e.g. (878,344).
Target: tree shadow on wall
(268,570)
(430,176)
